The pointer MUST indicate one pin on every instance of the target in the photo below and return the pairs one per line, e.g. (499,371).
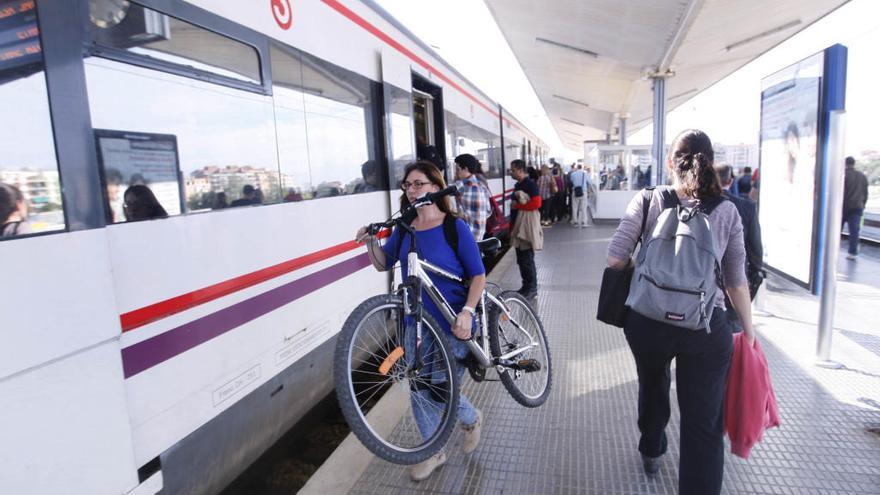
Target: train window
(482,144)
(340,120)
(398,111)
(144,32)
(222,140)
(30,191)
(290,123)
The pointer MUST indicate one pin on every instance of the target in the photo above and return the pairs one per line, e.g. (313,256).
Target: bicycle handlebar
(427,199)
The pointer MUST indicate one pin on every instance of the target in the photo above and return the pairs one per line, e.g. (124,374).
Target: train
(194,173)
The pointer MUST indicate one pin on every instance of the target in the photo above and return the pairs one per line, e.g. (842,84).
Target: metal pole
(659,88)
(834,209)
(622,130)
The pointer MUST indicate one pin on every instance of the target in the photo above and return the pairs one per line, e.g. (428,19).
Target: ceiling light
(573,122)
(756,37)
(563,45)
(572,133)
(571,100)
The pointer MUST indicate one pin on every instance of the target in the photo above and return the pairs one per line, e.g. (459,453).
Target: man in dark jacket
(748,213)
(855,195)
(525,198)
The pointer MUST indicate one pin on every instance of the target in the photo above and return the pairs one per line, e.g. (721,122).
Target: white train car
(192,174)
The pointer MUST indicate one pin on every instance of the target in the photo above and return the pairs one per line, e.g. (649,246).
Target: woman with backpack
(677,308)
(430,224)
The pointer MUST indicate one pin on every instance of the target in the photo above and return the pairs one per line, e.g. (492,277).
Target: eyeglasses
(417,184)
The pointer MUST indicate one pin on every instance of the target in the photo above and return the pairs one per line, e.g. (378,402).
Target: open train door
(428,124)
(398,120)
(398,126)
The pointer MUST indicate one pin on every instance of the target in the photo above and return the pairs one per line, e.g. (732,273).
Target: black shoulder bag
(615,283)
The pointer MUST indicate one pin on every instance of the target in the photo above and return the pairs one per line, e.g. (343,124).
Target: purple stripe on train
(155,350)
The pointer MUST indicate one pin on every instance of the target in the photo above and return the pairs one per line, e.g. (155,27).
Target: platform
(583,440)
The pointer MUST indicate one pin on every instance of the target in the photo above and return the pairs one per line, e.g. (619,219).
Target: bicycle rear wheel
(375,358)
(530,380)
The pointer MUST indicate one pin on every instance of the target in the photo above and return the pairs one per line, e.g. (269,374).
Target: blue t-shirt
(432,247)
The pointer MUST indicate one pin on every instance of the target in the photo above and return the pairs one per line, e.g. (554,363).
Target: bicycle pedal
(527,365)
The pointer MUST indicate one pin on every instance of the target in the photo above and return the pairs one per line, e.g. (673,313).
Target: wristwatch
(469,309)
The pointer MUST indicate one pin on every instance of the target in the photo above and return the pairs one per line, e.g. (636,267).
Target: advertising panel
(790,101)
(131,159)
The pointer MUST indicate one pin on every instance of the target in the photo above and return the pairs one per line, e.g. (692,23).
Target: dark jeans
(559,206)
(853,218)
(525,258)
(547,208)
(702,361)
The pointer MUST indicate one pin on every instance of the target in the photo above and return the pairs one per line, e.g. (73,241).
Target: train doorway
(428,123)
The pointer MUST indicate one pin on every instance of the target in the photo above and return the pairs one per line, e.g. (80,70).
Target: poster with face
(789,127)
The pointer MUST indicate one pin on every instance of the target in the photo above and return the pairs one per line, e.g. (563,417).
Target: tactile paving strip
(583,440)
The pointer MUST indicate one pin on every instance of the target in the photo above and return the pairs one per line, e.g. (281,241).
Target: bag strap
(647,195)
(450,233)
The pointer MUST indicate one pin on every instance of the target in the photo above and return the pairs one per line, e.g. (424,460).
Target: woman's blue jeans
(425,406)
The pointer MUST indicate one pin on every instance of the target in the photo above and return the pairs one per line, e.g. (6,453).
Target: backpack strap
(450,233)
(647,195)
(668,197)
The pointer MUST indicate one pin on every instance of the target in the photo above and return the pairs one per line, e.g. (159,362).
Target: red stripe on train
(360,21)
(148,314)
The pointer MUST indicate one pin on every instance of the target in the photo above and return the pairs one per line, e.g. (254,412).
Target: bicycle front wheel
(530,377)
(376,358)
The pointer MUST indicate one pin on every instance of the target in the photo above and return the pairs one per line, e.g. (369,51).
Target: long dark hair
(692,160)
(9,198)
(141,204)
(434,176)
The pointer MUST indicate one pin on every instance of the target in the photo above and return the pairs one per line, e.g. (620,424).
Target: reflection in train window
(30,191)
(142,31)
(482,144)
(398,112)
(340,121)
(225,138)
(290,124)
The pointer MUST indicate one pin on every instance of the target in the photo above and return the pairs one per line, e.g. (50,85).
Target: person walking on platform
(526,235)
(748,214)
(744,183)
(559,197)
(855,196)
(580,186)
(702,354)
(546,187)
(473,195)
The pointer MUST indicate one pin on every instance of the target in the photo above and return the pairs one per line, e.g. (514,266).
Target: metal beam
(659,144)
(684,25)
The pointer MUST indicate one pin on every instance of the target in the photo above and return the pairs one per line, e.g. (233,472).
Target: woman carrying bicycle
(419,179)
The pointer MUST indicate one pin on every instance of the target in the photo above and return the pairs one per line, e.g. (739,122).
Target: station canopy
(590,61)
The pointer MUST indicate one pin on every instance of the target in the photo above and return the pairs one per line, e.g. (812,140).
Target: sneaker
(651,464)
(472,434)
(422,470)
(852,256)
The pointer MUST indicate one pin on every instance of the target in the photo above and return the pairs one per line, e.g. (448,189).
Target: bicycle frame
(418,279)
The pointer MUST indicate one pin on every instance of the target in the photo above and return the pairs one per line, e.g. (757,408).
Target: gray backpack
(677,270)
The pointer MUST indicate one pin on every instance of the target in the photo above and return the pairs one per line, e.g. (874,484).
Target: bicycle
(377,351)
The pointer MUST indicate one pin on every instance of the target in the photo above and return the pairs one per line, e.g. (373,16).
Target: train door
(428,124)
(398,116)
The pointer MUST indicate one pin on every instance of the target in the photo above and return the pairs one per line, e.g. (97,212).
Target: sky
(727,111)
